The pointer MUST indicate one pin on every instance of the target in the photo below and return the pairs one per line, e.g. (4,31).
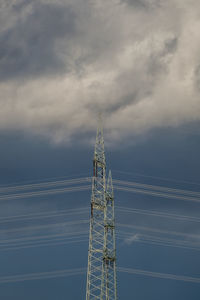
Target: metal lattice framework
(101,274)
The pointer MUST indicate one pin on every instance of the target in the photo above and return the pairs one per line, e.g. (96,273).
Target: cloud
(62,62)
(144,4)
(29,47)
(132,239)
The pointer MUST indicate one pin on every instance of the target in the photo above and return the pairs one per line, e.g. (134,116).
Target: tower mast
(109,258)
(101,273)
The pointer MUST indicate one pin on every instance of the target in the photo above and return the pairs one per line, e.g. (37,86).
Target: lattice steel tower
(101,274)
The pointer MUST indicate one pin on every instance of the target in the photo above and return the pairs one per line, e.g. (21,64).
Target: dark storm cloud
(28,48)
(143,4)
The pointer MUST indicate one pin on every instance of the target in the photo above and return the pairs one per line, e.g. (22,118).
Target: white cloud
(132,239)
(136,64)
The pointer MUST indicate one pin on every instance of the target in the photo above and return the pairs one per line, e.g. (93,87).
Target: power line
(44,226)
(77,236)
(143,188)
(131,226)
(46,192)
(157,177)
(41,237)
(46,179)
(155,213)
(42,275)
(44,184)
(83,210)
(48,243)
(154,240)
(156,230)
(65,241)
(79,271)
(159,275)
(49,214)
(156,187)
(157,194)
(166,244)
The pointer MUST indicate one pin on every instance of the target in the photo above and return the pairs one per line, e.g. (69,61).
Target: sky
(62,62)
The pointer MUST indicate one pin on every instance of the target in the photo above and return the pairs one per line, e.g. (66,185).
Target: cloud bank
(64,61)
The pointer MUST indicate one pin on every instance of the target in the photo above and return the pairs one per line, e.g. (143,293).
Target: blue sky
(172,155)
(61,63)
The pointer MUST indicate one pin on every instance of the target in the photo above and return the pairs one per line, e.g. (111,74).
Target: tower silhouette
(101,273)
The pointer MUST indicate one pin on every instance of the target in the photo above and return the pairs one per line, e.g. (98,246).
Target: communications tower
(101,273)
